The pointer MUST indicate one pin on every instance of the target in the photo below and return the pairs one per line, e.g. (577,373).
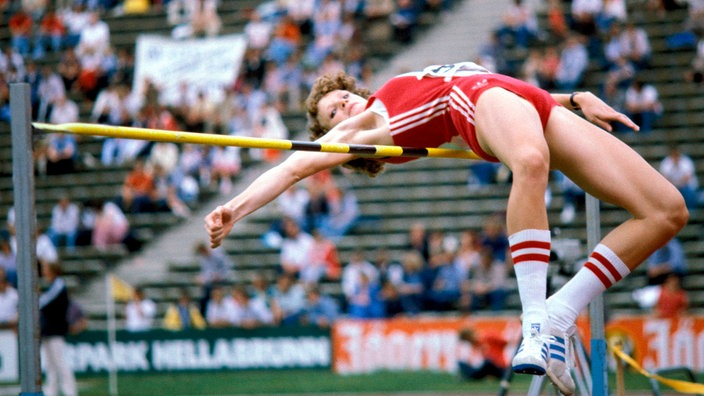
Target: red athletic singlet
(429,108)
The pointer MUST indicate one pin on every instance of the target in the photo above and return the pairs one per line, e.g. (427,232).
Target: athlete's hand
(598,112)
(218,224)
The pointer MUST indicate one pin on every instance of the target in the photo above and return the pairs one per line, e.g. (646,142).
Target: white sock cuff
(530,245)
(606,265)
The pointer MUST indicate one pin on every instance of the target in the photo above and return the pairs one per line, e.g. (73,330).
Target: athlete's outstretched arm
(595,110)
(296,167)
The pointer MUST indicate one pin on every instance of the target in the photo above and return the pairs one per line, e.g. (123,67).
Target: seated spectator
(404,20)
(51,34)
(65,221)
(69,70)
(486,287)
(50,88)
(166,193)
(139,312)
(672,301)
(138,190)
(257,31)
(9,302)
(110,225)
(248,313)
(225,165)
(8,259)
(343,213)
(64,110)
(365,300)
(20,26)
(519,25)
(320,309)
(643,105)
(665,261)
(295,249)
(287,300)
(635,45)
(574,59)
(493,234)
(443,289)
(411,288)
(184,314)
(204,19)
(218,310)
(492,361)
(61,154)
(324,261)
(215,269)
(46,251)
(679,169)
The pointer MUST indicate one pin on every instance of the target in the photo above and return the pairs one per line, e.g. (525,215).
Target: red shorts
(473,87)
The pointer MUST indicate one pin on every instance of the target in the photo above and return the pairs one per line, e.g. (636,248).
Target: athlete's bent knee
(675,215)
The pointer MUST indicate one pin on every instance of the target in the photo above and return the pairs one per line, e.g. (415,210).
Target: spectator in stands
(556,20)
(572,196)
(679,169)
(139,312)
(285,40)
(635,45)
(249,313)
(49,89)
(8,258)
(21,25)
(54,326)
(444,283)
(109,108)
(574,60)
(643,104)
(215,269)
(672,301)
(9,300)
(519,25)
(50,35)
(295,249)
(204,18)
(404,20)
(259,288)
(69,69)
(184,314)
(411,288)
(138,190)
(287,300)
(613,12)
(490,347)
(320,309)
(65,110)
(61,154)
(218,309)
(583,16)
(667,260)
(257,32)
(343,213)
(94,37)
(268,124)
(110,226)
(317,208)
(75,18)
(467,255)
(65,220)
(324,261)
(167,192)
(486,286)
(417,240)
(493,234)
(352,272)
(46,251)
(366,300)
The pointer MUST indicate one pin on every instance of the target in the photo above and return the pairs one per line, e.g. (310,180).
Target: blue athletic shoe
(559,366)
(532,355)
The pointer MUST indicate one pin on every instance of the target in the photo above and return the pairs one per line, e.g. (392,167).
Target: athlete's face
(338,106)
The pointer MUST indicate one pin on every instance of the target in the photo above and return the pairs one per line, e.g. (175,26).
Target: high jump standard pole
(25,232)
(600,385)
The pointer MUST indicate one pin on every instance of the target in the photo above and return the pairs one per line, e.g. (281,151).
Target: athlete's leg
(608,169)
(509,128)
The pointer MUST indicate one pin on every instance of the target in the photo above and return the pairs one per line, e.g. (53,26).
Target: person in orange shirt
(491,347)
(20,25)
(673,300)
(138,190)
(51,34)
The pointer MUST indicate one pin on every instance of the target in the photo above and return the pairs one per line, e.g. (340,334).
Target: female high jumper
(505,120)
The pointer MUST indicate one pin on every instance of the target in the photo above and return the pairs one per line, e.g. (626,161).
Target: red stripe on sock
(603,278)
(607,264)
(531,257)
(531,245)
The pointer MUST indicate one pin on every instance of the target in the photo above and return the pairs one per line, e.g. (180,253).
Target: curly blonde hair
(323,86)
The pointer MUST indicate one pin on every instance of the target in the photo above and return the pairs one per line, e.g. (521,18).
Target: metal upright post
(600,385)
(25,232)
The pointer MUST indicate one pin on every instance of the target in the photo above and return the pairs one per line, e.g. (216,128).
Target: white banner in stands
(203,64)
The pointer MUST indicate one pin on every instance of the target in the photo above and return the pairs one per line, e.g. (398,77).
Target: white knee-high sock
(601,271)
(530,250)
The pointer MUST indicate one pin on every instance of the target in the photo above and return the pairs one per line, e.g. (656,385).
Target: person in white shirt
(247,312)
(643,104)
(65,219)
(679,169)
(9,301)
(140,312)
